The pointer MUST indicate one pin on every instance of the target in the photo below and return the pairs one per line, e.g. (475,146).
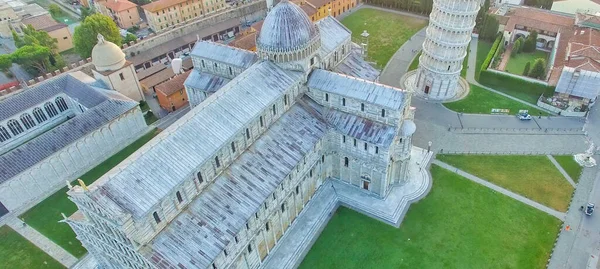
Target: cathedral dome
(106,56)
(287,30)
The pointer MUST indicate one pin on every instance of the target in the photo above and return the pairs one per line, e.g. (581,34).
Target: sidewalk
(562,171)
(557,214)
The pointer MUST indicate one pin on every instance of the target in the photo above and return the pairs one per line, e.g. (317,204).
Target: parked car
(524,116)
(589,209)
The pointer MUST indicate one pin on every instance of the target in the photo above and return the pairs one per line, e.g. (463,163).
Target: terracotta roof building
(162,14)
(57,30)
(124,13)
(171,94)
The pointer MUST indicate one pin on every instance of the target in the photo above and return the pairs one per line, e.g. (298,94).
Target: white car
(524,116)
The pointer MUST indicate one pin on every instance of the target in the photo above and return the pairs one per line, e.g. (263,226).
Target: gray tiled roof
(26,155)
(15,103)
(286,28)
(138,183)
(333,34)
(225,54)
(356,88)
(200,233)
(354,65)
(205,81)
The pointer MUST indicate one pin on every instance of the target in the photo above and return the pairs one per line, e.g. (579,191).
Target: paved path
(499,189)
(398,65)
(562,171)
(505,58)
(52,249)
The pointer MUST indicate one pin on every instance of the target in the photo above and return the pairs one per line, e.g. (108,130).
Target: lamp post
(365,42)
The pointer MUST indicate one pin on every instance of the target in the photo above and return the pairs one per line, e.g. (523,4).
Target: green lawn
(460,224)
(572,168)
(463,73)
(388,31)
(18,252)
(483,48)
(516,64)
(481,101)
(519,88)
(44,216)
(534,177)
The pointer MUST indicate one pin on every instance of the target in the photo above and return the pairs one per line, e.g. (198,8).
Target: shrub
(529,44)
(491,54)
(520,88)
(526,69)
(516,48)
(539,69)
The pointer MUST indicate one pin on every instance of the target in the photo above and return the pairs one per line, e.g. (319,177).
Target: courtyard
(449,228)
(17,252)
(516,64)
(387,32)
(45,216)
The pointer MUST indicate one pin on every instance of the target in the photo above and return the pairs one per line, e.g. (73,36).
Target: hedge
(519,88)
(491,54)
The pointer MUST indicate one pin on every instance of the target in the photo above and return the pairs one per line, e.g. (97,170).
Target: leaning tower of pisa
(444,49)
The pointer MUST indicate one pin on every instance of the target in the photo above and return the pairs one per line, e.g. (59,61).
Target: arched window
(4,135)
(274,110)
(247,133)
(261,122)
(39,115)
(50,109)
(343,101)
(27,121)
(326,97)
(179,199)
(217,162)
(233,146)
(60,102)
(285,100)
(200,179)
(346,161)
(230,71)
(383,112)
(156,217)
(362,107)
(203,64)
(15,127)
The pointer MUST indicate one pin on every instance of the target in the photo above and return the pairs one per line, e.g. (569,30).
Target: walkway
(559,215)
(307,227)
(52,249)
(398,65)
(562,171)
(505,58)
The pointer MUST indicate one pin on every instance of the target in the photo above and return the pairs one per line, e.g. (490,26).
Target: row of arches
(26,122)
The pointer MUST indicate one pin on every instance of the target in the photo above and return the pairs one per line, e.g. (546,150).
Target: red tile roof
(162,4)
(538,19)
(247,42)
(43,23)
(173,85)
(118,5)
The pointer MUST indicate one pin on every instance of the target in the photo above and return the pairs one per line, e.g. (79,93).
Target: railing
(557,131)
(527,152)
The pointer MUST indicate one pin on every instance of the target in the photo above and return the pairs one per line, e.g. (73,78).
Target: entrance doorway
(172,108)
(366,185)
(426,89)
(3,210)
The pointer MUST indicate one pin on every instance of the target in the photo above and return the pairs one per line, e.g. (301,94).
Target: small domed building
(117,73)
(268,136)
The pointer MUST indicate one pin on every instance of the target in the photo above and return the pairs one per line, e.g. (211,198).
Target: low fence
(466,152)
(554,109)
(563,131)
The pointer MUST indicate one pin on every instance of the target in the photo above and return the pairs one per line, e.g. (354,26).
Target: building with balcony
(221,186)
(123,12)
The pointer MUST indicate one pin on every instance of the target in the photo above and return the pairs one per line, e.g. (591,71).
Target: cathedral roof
(334,34)
(224,54)
(102,109)
(359,89)
(138,184)
(286,28)
(205,81)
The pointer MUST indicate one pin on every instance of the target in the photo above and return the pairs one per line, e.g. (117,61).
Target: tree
(85,12)
(539,69)
(526,69)
(516,48)
(129,37)
(33,56)
(529,44)
(489,29)
(5,62)
(35,37)
(17,38)
(85,36)
(54,10)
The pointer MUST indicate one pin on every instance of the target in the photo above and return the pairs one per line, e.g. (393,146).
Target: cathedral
(221,186)
(60,128)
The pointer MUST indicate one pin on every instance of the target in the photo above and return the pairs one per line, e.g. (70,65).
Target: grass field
(44,216)
(483,48)
(516,64)
(388,31)
(415,62)
(18,252)
(572,168)
(534,177)
(460,224)
(481,101)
